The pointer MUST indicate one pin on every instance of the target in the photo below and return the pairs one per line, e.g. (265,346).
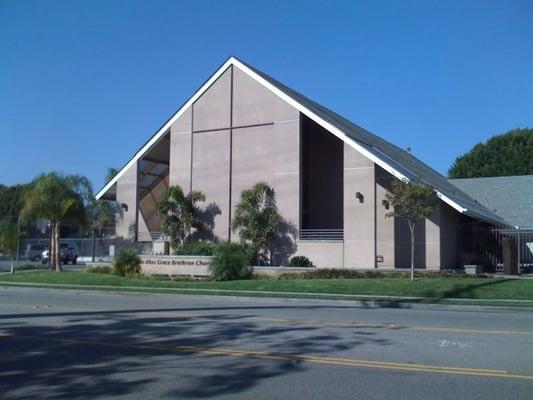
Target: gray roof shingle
(511,197)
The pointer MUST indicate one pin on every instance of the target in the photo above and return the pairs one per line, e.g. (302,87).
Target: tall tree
(9,237)
(101,213)
(411,201)
(58,198)
(257,219)
(508,154)
(179,214)
(11,199)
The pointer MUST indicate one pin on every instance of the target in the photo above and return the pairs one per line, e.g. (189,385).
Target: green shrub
(300,261)
(28,266)
(100,269)
(231,262)
(160,277)
(126,263)
(428,274)
(331,273)
(196,248)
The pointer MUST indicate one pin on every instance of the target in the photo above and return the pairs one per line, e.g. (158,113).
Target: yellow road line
(304,358)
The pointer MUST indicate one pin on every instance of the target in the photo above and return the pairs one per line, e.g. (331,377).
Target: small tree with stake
(9,237)
(411,201)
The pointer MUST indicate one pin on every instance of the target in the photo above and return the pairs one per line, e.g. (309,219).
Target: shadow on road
(103,354)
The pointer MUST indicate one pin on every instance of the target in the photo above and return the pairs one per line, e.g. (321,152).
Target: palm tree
(257,219)
(58,198)
(179,213)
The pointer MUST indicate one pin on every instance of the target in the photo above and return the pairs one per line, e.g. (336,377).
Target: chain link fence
(100,246)
(89,249)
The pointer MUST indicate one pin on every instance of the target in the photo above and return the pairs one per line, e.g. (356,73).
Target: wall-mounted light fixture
(124,206)
(359,196)
(385,203)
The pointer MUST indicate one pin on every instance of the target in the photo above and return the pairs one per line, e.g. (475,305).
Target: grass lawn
(432,289)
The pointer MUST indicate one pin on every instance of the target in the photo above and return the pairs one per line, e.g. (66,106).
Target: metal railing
(321,234)
(152,236)
(483,245)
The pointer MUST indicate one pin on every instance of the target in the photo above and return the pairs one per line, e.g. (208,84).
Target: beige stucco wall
(359,223)
(323,254)
(253,104)
(127,194)
(143,233)
(269,153)
(385,246)
(210,174)
(432,239)
(180,151)
(266,151)
(212,109)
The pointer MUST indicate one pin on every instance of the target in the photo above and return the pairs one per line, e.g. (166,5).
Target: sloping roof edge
(165,127)
(384,162)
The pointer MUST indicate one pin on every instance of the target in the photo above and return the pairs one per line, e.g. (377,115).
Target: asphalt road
(74,344)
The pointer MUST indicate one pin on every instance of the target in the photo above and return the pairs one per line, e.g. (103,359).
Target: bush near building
(126,263)
(300,261)
(196,248)
(231,261)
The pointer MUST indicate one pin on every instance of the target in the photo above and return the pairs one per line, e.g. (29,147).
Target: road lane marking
(447,343)
(304,358)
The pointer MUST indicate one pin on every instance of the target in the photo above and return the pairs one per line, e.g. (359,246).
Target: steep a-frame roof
(393,159)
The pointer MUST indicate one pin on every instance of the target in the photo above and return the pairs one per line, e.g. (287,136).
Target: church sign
(176,265)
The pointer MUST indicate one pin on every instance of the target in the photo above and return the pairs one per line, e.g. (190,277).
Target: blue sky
(83,84)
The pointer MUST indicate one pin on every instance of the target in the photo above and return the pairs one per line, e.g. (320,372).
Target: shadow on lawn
(462,290)
(89,355)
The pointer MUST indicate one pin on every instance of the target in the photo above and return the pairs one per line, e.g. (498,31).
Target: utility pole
(94,244)
(50,247)
(18,239)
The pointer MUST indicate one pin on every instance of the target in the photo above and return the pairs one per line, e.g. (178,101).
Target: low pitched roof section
(399,162)
(508,196)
